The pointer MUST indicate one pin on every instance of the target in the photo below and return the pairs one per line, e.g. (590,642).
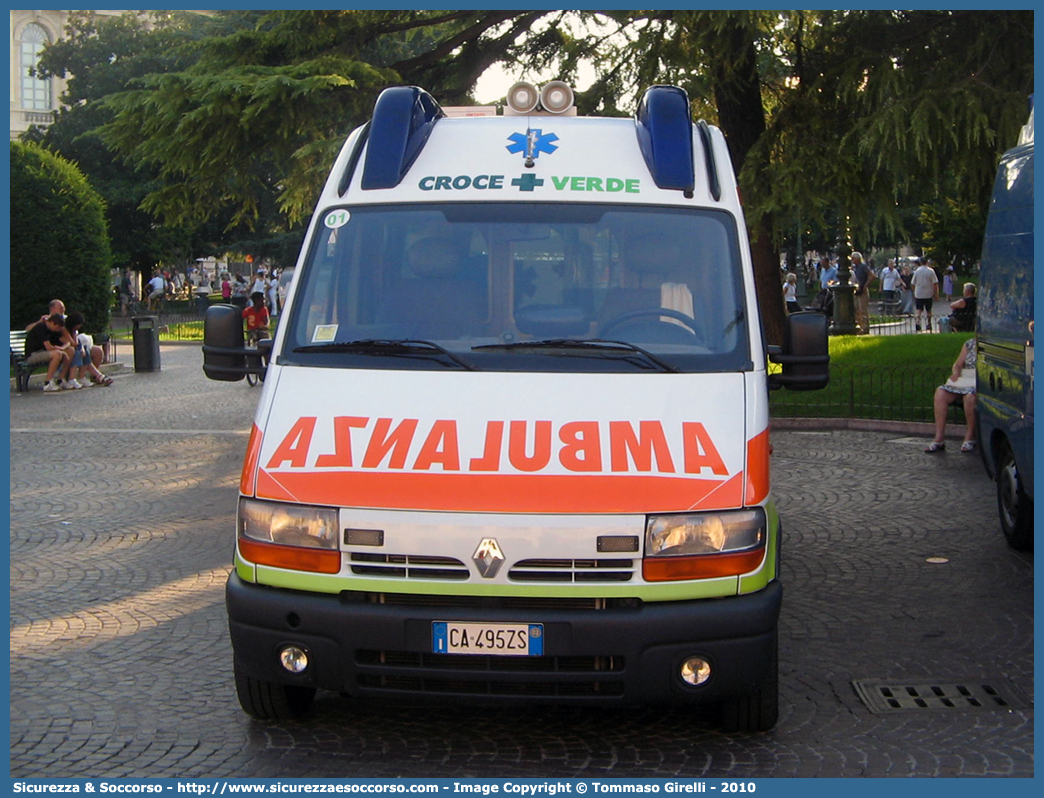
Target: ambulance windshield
(512,287)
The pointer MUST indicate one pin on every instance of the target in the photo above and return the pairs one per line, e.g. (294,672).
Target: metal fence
(179,324)
(894,393)
(894,317)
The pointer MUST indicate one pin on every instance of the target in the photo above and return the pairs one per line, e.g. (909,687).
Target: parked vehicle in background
(1005,335)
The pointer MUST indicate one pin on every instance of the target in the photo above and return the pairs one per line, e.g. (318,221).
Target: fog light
(695,671)
(294,659)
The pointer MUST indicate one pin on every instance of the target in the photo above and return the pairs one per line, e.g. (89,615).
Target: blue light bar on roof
(403,118)
(664,128)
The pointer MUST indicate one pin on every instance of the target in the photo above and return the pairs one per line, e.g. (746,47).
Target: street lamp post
(844,302)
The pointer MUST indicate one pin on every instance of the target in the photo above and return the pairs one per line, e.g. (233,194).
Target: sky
(495,82)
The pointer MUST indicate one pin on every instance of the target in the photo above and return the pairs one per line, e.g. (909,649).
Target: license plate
(498,639)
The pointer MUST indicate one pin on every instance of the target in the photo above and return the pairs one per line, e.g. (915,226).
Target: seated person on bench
(962,315)
(57,306)
(43,344)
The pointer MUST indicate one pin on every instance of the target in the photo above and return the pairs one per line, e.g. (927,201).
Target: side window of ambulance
(316,309)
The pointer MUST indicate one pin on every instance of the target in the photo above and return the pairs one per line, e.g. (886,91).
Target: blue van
(1005,334)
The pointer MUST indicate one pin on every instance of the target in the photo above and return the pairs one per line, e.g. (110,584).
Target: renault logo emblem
(488,558)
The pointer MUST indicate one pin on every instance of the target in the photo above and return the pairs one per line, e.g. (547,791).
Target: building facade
(34,100)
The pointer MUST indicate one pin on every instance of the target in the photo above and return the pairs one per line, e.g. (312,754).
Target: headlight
(288,524)
(702,545)
(294,536)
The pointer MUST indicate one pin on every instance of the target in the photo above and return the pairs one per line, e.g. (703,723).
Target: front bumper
(616,656)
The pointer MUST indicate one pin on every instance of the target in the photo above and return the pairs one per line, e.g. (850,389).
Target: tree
(101,57)
(59,242)
(841,120)
(953,231)
(854,116)
(256,120)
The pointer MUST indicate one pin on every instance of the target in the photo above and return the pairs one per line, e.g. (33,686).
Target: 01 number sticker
(335,219)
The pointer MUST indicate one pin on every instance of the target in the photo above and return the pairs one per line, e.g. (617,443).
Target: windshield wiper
(591,345)
(393,348)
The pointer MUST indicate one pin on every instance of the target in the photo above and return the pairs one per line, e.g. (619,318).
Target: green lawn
(877,377)
(182,331)
(933,352)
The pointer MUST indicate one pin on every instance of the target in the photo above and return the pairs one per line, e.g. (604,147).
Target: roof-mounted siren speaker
(664,127)
(522,98)
(556,97)
(403,118)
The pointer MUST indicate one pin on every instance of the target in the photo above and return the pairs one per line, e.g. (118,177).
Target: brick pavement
(121,536)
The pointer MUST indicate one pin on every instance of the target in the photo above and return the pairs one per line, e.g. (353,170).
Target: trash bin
(202,302)
(146,343)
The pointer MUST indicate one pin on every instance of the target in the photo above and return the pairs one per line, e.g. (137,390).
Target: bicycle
(254,360)
(133,305)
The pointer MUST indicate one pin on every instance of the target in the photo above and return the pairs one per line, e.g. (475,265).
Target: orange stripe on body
(501,493)
(253,453)
(758,451)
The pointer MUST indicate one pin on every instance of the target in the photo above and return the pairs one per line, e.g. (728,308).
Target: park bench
(22,370)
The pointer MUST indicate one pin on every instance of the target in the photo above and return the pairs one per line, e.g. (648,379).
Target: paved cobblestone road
(121,522)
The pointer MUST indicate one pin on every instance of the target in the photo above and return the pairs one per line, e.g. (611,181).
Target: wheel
(271,700)
(1014,506)
(757,710)
(254,359)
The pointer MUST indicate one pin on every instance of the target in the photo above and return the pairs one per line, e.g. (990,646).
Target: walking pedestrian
(790,293)
(949,277)
(906,297)
(925,284)
(890,282)
(864,277)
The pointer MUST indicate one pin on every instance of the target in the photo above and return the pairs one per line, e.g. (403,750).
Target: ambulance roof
(652,159)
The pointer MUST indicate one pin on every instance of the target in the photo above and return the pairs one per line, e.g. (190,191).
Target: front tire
(1013,505)
(271,700)
(758,710)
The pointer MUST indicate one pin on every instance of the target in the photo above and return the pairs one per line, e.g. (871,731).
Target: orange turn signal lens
(703,566)
(295,558)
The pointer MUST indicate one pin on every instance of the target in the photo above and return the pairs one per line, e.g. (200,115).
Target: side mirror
(224,355)
(805,354)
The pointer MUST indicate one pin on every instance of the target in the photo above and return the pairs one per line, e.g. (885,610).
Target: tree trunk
(737,93)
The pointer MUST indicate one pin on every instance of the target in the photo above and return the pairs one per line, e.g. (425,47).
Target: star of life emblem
(488,557)
(532,143)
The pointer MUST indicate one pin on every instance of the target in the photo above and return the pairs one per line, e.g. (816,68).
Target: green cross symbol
(527,182)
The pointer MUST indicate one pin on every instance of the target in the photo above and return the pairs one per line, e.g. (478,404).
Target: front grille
(525,603)
(491,664)
(407,566)
(597,570)
(415,566)
(415,672)
(447,687)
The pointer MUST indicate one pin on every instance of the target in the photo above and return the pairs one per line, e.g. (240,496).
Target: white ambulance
(513,439)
